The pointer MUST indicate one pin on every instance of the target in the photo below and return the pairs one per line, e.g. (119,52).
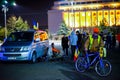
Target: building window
(112,17)
(117,17)
(100,17)
(94,19)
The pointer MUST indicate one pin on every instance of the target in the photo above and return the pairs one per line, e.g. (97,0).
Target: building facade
(84,13)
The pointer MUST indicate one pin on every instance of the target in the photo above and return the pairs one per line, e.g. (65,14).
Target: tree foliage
(63,29)
(2,33)
(104,25)
(16,24)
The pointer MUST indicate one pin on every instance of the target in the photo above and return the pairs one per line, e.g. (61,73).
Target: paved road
(56,70)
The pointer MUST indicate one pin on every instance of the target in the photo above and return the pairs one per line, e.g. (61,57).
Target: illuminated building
(84,13)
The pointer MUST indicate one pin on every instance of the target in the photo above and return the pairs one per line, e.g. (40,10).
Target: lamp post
(5,9)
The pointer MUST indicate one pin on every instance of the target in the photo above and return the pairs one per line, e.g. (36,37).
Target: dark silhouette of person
(113,40)
(79,42)
(64,43)
(109,40)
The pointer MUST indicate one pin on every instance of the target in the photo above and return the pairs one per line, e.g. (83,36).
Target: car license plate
(11,58)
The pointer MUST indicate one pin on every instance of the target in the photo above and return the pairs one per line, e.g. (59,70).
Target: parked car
(27,45)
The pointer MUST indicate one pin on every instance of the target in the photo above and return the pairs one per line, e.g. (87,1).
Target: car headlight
(2,49)
(25,48)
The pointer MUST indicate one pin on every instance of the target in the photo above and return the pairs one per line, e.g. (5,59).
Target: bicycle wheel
(81,64)
(103,68)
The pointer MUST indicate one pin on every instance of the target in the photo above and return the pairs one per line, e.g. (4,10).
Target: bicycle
(102,67)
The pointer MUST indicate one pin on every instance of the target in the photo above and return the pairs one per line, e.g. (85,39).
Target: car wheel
(33,59)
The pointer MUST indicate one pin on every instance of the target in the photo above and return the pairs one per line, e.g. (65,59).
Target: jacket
(96,44)
(73,38)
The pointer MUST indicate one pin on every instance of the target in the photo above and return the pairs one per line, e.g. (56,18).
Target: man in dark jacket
(64,43)
(79,42)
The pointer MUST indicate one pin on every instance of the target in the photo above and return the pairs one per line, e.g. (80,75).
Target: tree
(63,29)
(21,25)
(2,33)
(16,24)
(104,25)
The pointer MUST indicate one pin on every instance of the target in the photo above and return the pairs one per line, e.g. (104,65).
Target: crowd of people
(88,41)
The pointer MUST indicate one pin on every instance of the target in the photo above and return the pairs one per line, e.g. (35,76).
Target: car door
(38,45)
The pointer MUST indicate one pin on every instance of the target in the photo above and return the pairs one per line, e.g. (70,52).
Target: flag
(76,54)
(35,25)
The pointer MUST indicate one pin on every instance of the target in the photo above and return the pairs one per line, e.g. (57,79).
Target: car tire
(33,59)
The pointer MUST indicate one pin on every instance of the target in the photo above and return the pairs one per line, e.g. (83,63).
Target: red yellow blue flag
(35,25)
(76,54)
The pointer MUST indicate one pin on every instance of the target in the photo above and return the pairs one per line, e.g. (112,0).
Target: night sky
(30,10)
(36,4)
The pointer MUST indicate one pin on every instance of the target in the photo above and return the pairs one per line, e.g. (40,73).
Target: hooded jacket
(73,38)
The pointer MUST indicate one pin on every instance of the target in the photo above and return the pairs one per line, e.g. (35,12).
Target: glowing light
(6,2)
(114,4)
(83,14)
(91,18)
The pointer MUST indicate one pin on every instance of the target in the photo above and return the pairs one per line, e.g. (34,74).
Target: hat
(96,30)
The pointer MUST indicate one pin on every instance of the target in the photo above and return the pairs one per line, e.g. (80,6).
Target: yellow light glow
(82,19)
(77,19)
(94,18)
(115,4)
(88,19)
(71,19)
(65,17)
(112,17)
(118,17)
(106,17)
(100,17)
(85,6)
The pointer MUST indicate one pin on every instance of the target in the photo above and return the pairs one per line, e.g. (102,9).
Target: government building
(84,14)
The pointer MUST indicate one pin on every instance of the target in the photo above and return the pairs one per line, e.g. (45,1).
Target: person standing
(79,42)
(109,40)
(73,43)
(64,43)
(113,40)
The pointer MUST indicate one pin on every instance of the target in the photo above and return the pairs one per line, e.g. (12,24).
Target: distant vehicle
(27,45)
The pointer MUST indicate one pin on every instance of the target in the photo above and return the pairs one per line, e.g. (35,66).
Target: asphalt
(57,69)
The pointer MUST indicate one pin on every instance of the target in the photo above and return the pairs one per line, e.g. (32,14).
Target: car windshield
(21,36)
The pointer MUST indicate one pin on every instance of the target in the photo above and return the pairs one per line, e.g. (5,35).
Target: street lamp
(5,9)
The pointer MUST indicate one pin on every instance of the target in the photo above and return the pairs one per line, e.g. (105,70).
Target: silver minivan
(20,46)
